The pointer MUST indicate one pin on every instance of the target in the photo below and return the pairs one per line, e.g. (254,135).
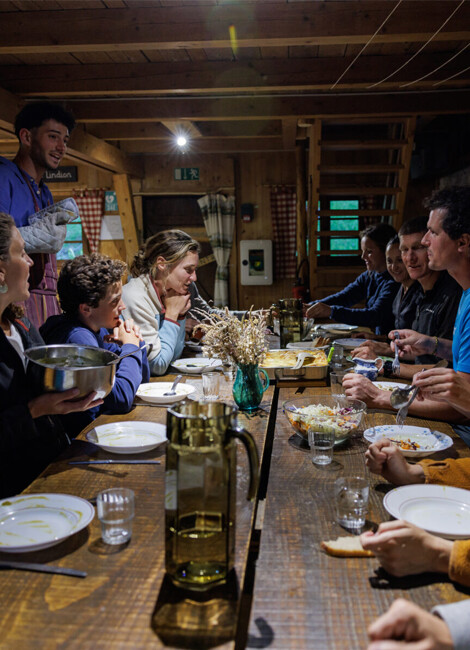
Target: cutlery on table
(396,361)
(115,462)
(408,395)
(42,568)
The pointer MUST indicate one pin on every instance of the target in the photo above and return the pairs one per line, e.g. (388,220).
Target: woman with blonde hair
(157,296)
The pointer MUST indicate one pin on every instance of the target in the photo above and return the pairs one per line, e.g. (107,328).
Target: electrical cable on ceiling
(438,68)
(438,83)
(420,49)
(366,45)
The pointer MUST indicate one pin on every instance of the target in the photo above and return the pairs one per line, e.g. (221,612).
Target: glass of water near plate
(211,386)
(351,501)
(115,509)
(321,446)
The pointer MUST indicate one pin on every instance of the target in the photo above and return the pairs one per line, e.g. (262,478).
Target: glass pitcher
(290,320)
(200,491)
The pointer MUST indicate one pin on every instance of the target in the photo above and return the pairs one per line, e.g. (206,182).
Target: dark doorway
(182,212)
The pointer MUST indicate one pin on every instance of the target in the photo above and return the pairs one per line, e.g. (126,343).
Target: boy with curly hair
(90,294)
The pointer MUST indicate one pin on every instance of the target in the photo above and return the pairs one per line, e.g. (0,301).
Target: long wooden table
(301,597)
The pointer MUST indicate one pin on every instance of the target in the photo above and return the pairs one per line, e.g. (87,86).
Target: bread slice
(349,546)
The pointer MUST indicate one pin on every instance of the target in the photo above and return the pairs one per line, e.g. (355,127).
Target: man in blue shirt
(43,130)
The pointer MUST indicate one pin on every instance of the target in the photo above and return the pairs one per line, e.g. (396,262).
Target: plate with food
(389,385)
(154,392)
(195,365)
(439,509)
(279,364)
(32,522)
(131,437)
(414,442)
(349,344)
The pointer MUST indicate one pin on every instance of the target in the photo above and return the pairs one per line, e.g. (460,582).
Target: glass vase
(249,387)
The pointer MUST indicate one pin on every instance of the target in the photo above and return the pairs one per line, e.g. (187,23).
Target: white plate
(338,327)
(429,441)
(195,365)
(153,392)
(133,437)
(439,509)
(389,385)
(305,345)
(349,344)
(32,522)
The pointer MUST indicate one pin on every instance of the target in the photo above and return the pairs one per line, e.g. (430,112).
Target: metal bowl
(342,416)
(61,367)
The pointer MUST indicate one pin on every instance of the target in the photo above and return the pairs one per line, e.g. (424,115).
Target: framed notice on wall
(110,201)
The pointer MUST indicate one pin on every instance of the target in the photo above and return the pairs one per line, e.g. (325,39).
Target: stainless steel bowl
(61,367)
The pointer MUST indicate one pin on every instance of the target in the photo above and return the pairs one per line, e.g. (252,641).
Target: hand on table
(318,310)
(403,549)
(60,404)
(383,457)
(359,387)
(412,627)
(370,350)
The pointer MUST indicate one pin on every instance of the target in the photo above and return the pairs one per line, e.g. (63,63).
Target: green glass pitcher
(200,491)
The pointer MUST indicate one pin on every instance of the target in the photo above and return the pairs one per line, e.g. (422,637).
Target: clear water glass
(116,512)
(336,382)
(321,446)
(210,386)
(351,501)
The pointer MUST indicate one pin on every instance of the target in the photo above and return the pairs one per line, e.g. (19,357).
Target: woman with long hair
(375,286)
(31,435)
(157,296)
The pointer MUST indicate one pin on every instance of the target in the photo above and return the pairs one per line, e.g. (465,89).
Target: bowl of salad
(334,413)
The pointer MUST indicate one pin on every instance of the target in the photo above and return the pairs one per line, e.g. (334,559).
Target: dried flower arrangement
(233,340)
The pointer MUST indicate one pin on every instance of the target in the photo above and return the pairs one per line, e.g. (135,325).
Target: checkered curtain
(284,220)
(218,212)
(91,207)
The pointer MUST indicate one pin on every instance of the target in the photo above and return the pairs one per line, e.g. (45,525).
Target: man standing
(448,247)
(43,130)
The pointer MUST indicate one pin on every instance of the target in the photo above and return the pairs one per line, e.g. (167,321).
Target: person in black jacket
(31,435)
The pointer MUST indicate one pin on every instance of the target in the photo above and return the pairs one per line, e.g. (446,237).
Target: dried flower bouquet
(232,340)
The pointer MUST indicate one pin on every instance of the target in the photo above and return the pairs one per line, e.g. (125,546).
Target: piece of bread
(349,546)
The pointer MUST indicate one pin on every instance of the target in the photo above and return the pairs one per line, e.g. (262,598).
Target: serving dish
(414,442)
(278,364)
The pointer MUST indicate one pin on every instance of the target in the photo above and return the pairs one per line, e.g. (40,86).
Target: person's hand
(403,549)
(318,310)
(445,385)
(383,457)
(60,404)
(189,325)
(412,343)
(413,627)
(370,350)
(176,305)
(127,332)
(359,387)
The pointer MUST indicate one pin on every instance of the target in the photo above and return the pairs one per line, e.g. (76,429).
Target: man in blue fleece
(90,294)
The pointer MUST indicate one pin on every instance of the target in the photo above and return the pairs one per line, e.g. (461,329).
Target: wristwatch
(388,369)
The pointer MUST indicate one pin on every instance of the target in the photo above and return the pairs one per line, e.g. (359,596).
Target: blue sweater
(378,290)
(129,374)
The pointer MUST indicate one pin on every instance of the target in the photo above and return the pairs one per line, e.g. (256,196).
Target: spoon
(300,359)
(128,354)
(172,390)
(400,396)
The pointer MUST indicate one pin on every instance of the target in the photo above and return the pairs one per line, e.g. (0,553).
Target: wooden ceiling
(234,76)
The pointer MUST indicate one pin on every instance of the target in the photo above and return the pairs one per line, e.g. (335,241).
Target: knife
(42,568)
(116,462)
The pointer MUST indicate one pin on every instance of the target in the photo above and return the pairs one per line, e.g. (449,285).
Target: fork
(396,361)
(403,411)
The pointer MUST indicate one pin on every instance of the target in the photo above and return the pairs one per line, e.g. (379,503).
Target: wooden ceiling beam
(204,145)
(261,24)
(149,131)
(274,107)
(224,76)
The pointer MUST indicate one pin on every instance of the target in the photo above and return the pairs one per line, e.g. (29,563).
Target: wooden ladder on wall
(361,159)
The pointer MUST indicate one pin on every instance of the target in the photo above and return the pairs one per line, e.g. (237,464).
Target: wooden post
(302,230)
(314,156)
(125,203)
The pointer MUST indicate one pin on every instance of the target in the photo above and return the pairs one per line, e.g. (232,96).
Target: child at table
(90,295)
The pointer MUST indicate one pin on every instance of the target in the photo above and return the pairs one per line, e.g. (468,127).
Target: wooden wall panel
(215,172)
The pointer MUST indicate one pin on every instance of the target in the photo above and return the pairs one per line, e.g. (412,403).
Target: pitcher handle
(253,458)
(265,378)
(379,363)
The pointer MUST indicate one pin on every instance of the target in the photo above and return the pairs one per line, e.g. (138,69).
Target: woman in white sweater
(157,296)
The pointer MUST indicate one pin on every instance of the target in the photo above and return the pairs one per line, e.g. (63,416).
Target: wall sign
(186,173)
(62,175)
(110,201)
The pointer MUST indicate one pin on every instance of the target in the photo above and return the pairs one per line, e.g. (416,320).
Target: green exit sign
(186,173)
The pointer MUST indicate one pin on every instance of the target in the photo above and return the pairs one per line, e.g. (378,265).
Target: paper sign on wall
(111,227)
(110,201)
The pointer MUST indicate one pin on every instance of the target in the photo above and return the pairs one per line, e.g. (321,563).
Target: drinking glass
(210,386)
(336,359)
(321,445)
(115,511)
(336,382)
(351,500)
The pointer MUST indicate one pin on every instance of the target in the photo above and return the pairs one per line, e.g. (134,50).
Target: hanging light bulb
(181,141)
